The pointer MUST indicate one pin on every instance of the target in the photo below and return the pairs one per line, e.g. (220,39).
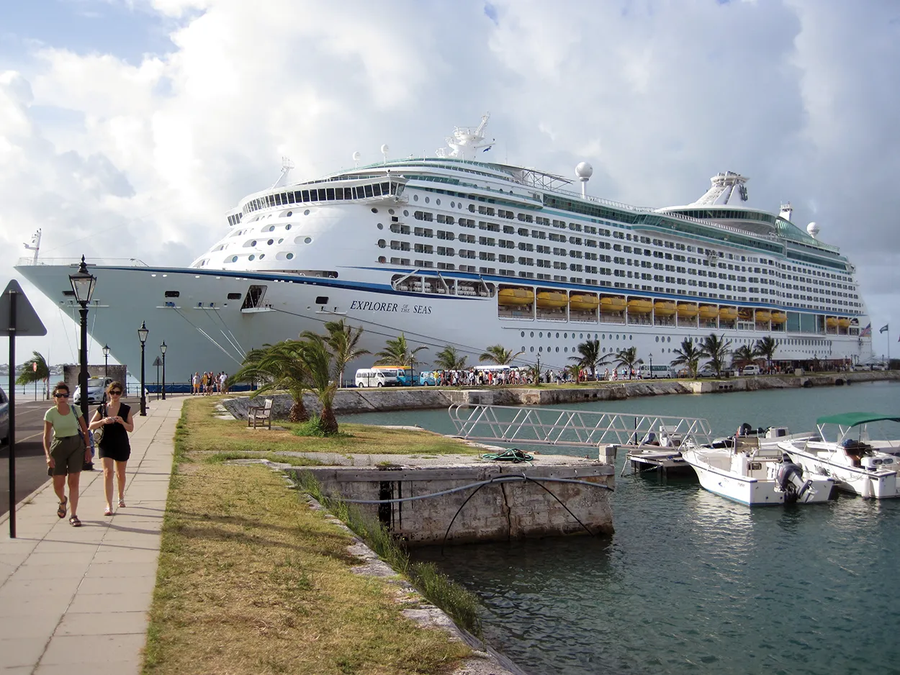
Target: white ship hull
(869,484)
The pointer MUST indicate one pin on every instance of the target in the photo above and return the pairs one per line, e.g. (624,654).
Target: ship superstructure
(450,250)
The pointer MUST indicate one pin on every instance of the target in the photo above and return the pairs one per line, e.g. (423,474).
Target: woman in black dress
(116,420)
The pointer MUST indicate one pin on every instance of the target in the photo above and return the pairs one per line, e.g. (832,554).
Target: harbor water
(693,583)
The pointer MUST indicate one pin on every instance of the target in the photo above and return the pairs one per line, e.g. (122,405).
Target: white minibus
(656,372)
(377,377)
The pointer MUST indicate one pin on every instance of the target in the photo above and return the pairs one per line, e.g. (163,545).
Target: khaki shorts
(68,455)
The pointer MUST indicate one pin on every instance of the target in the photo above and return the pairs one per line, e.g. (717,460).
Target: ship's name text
(366,306)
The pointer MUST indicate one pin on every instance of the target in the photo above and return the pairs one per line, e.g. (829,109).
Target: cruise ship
(454,250)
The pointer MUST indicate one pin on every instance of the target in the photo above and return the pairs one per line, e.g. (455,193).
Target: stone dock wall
(350,401)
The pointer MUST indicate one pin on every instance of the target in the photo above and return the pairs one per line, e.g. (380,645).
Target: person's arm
(96,420)
(48,434)
(129,423)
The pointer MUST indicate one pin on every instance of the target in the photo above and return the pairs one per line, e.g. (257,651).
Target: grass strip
(252,580)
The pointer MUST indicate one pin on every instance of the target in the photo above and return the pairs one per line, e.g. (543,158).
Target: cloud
(118,157)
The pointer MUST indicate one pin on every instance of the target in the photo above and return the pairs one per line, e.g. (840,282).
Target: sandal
(121,503)
(61,511)
(74,522)
(108,511)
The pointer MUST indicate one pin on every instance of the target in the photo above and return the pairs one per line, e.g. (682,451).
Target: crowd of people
(206,384)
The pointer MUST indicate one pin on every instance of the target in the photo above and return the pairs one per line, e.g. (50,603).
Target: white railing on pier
(570,428)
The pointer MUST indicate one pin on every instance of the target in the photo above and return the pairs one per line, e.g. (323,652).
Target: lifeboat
(844,323)
(728,313)
(664,308)
(515,296)
(831,322)
(584,303)
(554,299)
(687,310)
(612,304)
(763,316)
(745,314)
(779,317)
(640,306)
(709,312)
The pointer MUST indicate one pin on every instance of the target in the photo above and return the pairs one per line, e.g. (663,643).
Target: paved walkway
(76,600)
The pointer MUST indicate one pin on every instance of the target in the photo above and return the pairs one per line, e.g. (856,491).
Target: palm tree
(319,361)
(499,355)
(280,366)
(34,369)
(716,349)
(743,356)
(449,359)
(689,355)
(398,353)
(765,347)
(590,356)
(343,340)
(628,358)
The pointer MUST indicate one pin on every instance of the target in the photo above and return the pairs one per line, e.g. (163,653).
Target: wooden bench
(260,414)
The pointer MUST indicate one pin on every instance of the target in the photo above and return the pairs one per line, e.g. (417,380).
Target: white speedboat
(843,451)
(753,472)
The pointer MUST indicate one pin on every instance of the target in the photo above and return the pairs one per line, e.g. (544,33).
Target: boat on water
(750,468)
(844,451)
(453,250)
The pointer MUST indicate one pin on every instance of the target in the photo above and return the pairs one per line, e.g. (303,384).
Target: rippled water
(692,583)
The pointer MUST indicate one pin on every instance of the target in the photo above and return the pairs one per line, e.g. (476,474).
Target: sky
(128,128)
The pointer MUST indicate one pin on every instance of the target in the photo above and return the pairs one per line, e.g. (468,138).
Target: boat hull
(849,479)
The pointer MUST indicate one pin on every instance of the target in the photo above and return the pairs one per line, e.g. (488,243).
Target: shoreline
(354,401)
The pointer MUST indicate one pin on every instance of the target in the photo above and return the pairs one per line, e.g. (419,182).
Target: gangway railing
(571,428)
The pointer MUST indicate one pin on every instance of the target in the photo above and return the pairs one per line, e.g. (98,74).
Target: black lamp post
(83,283)
(162,348)
(156,364)
(105,363)
(142,336)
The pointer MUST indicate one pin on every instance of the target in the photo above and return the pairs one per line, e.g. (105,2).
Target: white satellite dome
(813,230)
(584,171)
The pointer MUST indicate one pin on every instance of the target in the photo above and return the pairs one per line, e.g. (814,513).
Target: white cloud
(656,95)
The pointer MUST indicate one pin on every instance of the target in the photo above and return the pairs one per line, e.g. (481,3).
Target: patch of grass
(221,457)
(251,580)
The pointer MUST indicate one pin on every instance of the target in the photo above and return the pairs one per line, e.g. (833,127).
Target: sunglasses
(61,395)
(116,392)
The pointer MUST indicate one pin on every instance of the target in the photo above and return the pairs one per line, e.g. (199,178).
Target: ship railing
(570,428)
(74,262)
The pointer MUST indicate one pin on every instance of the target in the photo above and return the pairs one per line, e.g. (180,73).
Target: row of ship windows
(323,194)
(661,339)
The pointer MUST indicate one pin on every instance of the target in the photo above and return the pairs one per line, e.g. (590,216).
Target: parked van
(656,372)
(377,377)
(750,370)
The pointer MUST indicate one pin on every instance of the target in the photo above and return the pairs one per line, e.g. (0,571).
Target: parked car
(4,418)
(750,370)
(96,390)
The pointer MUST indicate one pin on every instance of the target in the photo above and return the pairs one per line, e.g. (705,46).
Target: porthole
(452,205)
(307,240)
(270,242)
(581,336)
(381,243)
(557,349)
(382,259)
(532,349)
(306,213)
(234,258)
(288,226)
(380,226)
(415,198)
(288,214)
(253,243)
(540,335)
(252,257)
(391,211)
(565,349)
(374,210)
(437,201)
(532,332)
(523,334)
(280,240)
(290,256)
(405,212)
(262,255)
(657,338)
(540,349)
(427,200)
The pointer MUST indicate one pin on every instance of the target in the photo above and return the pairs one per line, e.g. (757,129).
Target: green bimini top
(853,419)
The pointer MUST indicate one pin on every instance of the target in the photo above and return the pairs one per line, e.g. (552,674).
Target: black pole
(105,367)
(156,363)
(164,377)
(12,414)
(83,375)
(143,394)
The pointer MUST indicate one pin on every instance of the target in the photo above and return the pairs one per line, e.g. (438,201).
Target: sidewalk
(75,600)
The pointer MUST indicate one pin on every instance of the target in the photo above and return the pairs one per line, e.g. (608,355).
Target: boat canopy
(856,418)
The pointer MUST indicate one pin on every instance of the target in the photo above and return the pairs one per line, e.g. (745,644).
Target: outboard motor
(790,480)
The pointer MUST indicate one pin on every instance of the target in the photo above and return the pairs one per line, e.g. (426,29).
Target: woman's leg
(108,481)
(73,480)
(59,487)
(120,476)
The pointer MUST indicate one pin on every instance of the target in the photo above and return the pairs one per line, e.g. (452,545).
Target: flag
(866,332)
(883,328)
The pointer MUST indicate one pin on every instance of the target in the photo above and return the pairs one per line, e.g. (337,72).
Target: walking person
(64,444)
(117,421)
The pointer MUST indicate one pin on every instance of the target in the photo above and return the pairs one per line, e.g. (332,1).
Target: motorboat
(751,469)
(843,450)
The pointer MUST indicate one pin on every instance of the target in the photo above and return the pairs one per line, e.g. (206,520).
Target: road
(31,463)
